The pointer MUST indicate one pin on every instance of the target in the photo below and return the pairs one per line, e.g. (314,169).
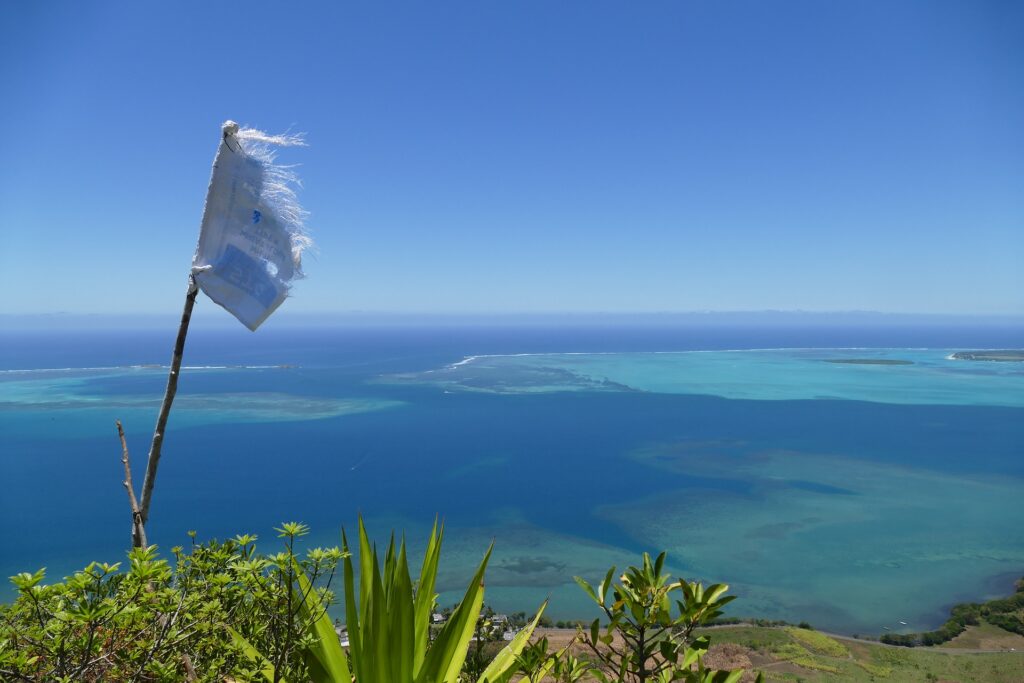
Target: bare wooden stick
(138,529)
(165,408)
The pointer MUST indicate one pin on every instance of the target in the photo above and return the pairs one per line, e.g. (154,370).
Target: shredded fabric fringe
(280,183)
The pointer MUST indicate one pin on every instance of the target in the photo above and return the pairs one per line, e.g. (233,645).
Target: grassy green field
(985,636)
(793,654)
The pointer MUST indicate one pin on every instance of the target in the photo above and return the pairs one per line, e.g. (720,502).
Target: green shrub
(1006,613)
(655,618)
(154,621)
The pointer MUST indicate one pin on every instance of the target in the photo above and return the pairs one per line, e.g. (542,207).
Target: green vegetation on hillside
(160,620)
(791,654)
(1006,613)
(223,612)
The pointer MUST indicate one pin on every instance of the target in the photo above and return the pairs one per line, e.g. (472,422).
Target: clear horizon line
(540,313)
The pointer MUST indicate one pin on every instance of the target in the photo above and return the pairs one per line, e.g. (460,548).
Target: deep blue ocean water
(853,514)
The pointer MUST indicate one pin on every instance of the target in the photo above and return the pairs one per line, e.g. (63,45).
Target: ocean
(855,496)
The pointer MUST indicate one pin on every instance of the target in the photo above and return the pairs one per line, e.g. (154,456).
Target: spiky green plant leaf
(425,597)
(352,615)
(503,665)
(446,655)
(254,655)
(325,658)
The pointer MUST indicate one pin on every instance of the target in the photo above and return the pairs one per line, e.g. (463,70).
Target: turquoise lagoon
(854,495)
(907,376)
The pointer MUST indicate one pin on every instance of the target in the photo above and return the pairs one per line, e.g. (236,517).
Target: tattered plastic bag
(252,235)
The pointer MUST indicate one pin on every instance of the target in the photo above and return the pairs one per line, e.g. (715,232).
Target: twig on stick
(138,530)
(190,671)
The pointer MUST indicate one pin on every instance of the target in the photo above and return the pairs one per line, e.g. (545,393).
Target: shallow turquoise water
(910,376)
(834,534)
(853,496)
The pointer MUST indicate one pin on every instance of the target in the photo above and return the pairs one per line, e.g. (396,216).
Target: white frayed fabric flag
(252,236)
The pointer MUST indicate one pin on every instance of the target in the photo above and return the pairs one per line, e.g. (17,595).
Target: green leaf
(424,606)
(587,589)
(401,612)
(326,659)
(542,672)
(713,591)
(444,659)
(690,656)
(254,655)
(723,676)
(352,614)
(606,584)
(366,565)
(659,563)
(378,628)
(502,667)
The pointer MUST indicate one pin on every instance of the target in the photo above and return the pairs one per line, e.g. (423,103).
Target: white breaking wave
(470,359)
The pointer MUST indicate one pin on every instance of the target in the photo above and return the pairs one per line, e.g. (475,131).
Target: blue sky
(529,156)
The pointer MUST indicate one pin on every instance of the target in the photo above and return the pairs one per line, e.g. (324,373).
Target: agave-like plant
(389,625)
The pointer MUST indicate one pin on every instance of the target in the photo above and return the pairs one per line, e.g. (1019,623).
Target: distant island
(869,361)
(1006,355)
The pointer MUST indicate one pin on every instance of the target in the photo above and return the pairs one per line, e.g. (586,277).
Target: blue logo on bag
(247,274)
(256,216)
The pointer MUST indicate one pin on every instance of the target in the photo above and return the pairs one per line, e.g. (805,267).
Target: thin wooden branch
(138,529)
(165,408)
(190,672)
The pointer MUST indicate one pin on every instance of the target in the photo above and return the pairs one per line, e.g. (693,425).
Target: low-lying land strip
(1004,355)
(869,361)
(787,653)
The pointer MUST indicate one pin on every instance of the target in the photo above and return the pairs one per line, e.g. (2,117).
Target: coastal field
(786,653)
